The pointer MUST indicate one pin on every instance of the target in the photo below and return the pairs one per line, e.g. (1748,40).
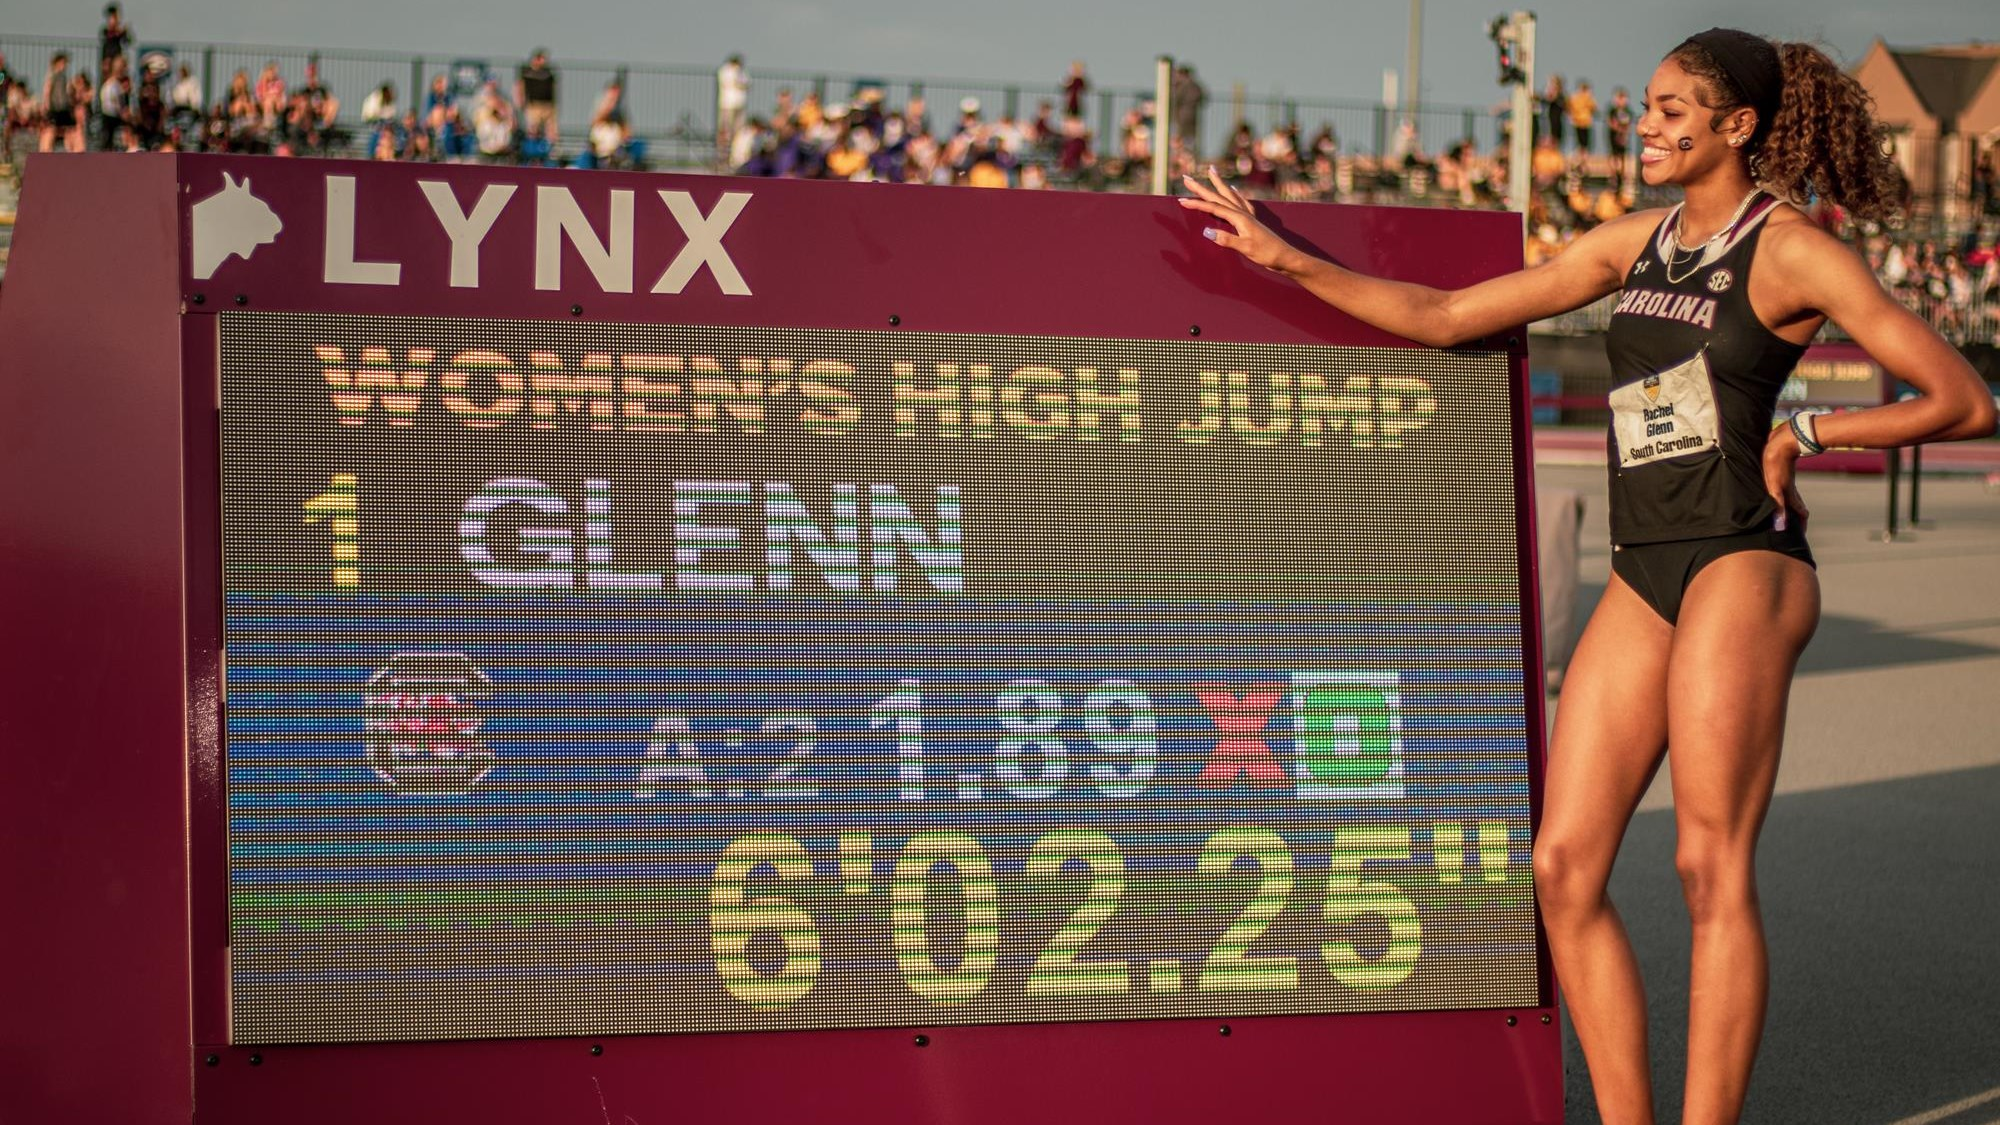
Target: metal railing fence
(674,107)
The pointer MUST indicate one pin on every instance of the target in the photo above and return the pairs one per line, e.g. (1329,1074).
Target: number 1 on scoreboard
(902,710)
(340,507)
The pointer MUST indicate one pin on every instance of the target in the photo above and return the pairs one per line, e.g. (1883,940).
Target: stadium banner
(751,629)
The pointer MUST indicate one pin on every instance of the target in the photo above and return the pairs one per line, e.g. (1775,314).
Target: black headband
(1751,63)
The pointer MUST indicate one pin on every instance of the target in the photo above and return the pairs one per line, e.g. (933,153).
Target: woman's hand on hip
(1781,460)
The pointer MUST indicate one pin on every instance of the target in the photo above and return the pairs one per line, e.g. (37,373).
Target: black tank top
(1695,379)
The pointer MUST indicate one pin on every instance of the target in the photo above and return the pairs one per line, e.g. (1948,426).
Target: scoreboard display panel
(618,678)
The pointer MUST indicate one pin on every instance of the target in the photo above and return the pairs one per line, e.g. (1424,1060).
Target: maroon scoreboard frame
(114,970)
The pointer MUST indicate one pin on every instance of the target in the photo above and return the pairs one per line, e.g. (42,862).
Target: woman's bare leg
(1744,622)
(1611,732)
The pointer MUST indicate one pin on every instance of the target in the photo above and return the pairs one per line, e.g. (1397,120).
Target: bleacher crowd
(1582,172)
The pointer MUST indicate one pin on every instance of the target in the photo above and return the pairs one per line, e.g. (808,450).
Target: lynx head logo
(232,221)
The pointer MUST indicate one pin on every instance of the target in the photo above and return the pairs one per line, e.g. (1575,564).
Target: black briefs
(1660,572)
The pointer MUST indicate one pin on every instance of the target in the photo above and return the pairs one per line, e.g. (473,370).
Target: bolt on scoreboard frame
(527,646)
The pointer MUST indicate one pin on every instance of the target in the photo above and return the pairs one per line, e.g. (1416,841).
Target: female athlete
(1713,593)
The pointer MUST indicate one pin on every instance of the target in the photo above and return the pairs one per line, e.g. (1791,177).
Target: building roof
(1946,79)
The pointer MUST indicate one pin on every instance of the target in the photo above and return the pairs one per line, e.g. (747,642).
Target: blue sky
(1304,49)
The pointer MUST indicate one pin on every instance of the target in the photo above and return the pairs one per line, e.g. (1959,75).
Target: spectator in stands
(1547,164)
(1007,134)
(1609,206)
(1325,142)
(1583,115)
(1958,287)
(1555,110)
(442,123)
(323,106)
(386,140)
(535,94)
(1075,85)
(889,163)
(414,138)
(866,112)
(149,113)
(114,102)
(17,113)
(383,117)
(922,159)
(1135,138)
(986,163)
(59,110)
(847,158)
(1454,178)
(1618,130)
(1074,157)
(493,124)
(112,38)
(270,91)
(215,128)
(609,129)
(749,149)
(1280,152)
(1189,98)
(1986,181)
(184,116)
(186,92)
(732,97)
(23,125)
(1042,132)
(248,129)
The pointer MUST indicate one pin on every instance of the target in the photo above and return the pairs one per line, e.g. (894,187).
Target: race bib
(1671,414)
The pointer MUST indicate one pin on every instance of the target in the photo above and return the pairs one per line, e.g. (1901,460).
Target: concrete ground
(1880,863)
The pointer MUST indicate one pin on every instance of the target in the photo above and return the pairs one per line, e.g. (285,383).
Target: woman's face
(1673,115)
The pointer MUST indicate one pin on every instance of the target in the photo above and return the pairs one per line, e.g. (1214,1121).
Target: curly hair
(1823,141)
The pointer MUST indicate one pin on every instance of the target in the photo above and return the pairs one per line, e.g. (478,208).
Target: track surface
(1880,864)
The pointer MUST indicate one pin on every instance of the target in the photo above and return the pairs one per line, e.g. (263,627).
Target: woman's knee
(1718,875)
(1569,876)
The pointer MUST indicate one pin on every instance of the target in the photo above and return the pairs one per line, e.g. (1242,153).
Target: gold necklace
(1700,252)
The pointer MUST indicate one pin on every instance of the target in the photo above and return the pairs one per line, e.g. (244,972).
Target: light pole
(1514,35)
(1413,68)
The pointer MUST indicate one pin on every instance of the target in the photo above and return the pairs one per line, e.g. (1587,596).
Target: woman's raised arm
(1592,267)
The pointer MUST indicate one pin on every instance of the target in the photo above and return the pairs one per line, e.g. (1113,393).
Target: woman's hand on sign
(1245,234)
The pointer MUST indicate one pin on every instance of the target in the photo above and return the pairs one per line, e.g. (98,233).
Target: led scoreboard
(656,607)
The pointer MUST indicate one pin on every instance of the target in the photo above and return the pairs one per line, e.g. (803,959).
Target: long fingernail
(1209,233)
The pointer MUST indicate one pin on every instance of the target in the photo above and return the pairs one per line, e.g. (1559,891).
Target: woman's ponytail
(1826,142)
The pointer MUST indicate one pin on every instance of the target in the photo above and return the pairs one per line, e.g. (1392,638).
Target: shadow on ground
(1882,912)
